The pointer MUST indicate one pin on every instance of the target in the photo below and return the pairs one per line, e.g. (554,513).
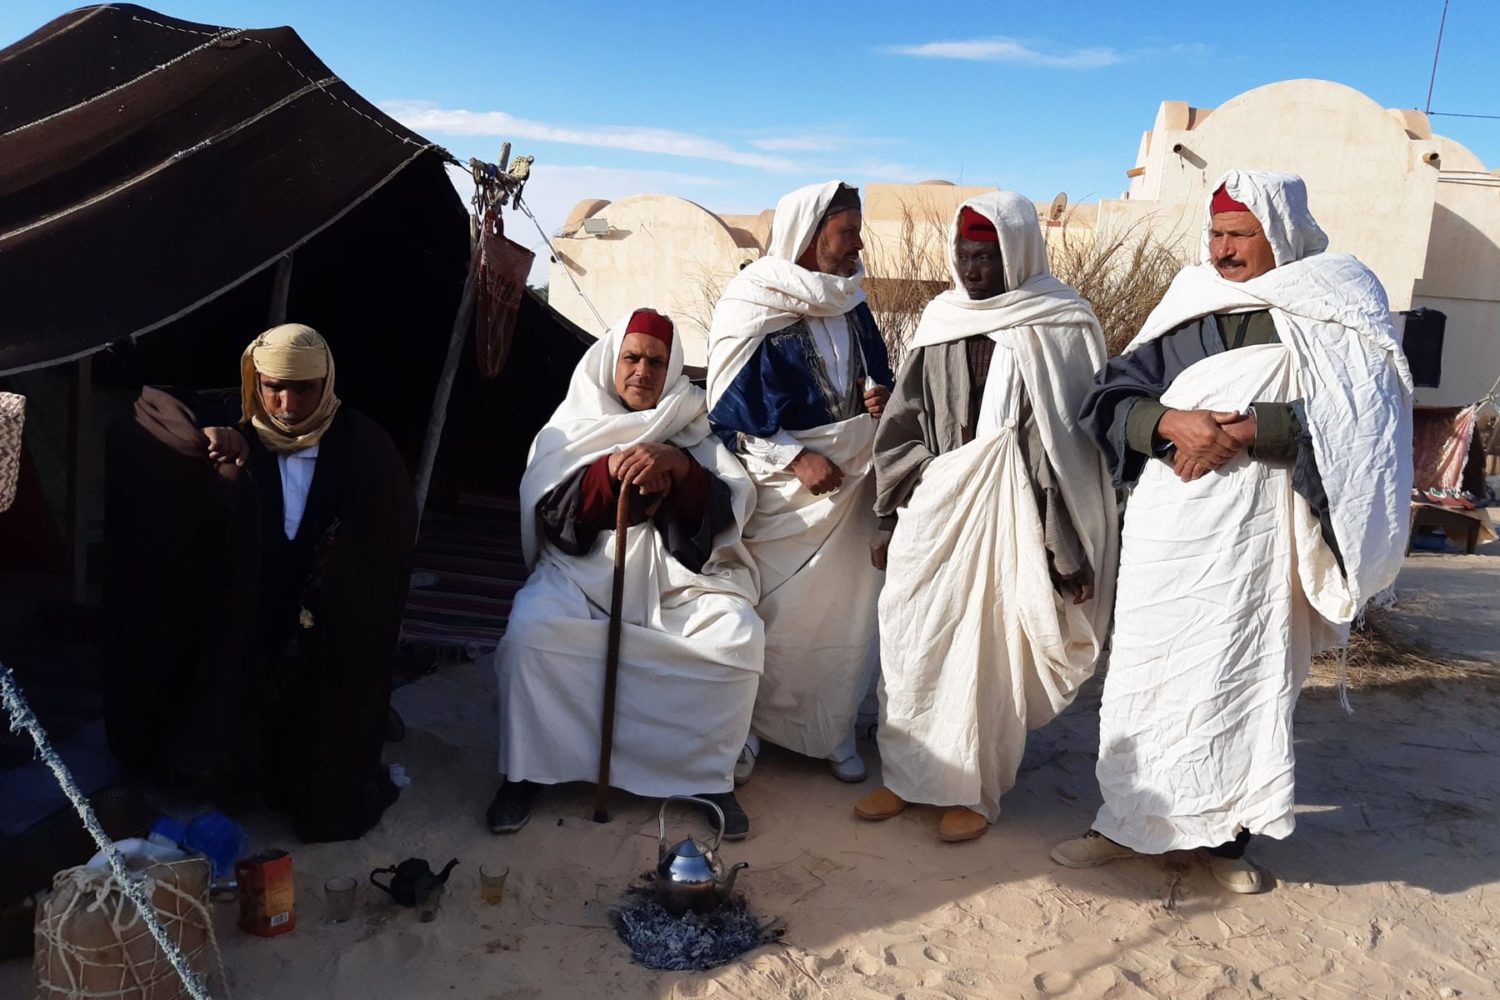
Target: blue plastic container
(218,838)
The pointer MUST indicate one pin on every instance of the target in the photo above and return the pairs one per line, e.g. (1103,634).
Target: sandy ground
(1389,888)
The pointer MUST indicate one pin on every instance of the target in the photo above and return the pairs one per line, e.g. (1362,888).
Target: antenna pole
(1443,21)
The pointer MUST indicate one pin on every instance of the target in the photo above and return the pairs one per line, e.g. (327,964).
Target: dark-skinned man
(691,645)
(797,379)
(1262,419)
(1003,516)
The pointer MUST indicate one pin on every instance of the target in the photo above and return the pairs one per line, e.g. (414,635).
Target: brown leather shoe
(878,805)
(959,824)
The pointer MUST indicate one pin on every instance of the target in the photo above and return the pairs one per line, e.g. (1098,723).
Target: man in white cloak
(797,378)
(1004,515)
(691,645)
(1263,418)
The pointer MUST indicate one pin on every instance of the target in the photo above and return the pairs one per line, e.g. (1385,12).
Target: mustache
(1228,261)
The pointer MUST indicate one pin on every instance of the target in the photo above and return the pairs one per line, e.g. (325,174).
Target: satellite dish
(1059,205)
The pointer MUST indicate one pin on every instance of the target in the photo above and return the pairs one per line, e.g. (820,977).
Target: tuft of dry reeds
(1123,274)
(912,270)
(1381,656)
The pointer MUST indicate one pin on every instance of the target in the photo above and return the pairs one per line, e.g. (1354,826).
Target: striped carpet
(474,554)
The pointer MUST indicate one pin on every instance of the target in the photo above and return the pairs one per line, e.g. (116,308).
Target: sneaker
(879,804)
(510,809)
(959,824)
(1234,874)
(736,823)
(745,765)
(850,768)
(1092,849)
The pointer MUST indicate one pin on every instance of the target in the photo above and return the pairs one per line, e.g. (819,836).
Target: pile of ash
(692,942)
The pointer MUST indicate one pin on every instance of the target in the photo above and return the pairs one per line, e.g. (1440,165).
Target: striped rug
(467,570)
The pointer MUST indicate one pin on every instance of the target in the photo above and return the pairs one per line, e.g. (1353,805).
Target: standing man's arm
(901,452)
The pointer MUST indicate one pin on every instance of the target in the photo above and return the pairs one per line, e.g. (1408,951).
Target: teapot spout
(443,875)
(727,889)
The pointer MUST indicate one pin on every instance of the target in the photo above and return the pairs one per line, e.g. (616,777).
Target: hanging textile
(503,268)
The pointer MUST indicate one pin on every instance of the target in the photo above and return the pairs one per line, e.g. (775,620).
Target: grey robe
(933,411)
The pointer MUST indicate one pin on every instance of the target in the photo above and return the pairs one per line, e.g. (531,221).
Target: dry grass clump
(1380,656)
(913,271)
(1123,274)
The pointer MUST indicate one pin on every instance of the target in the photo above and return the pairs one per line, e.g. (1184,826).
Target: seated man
(691,647)
(337,531)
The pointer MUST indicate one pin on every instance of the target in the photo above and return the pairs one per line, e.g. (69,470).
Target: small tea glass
(339,894)
(492,882)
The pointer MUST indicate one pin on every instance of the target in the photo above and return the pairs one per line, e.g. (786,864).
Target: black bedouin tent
(170,189)
(170,184)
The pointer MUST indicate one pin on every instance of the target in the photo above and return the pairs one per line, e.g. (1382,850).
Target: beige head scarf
(296,353)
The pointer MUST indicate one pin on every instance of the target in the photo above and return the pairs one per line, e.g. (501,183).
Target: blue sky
(730,105)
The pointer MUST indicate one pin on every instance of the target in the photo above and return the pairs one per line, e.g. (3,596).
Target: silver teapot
(688,876)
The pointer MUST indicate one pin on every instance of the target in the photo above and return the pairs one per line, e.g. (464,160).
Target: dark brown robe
(327,685)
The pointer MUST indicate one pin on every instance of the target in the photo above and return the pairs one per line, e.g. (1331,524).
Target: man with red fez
(797,378)
(691,645)
(1003,520)
(1262,420)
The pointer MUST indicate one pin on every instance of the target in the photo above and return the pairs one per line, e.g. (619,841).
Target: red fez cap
(652,324)
(1223,202)
(973,226)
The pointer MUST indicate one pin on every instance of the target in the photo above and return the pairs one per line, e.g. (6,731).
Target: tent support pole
(281,287)
(79,386)
(445,382)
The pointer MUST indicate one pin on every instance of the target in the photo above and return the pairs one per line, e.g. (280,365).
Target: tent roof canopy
(149,164)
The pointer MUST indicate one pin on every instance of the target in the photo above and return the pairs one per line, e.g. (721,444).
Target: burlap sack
(92,943)
(12,416)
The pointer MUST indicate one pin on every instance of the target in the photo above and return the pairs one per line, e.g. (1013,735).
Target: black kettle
(413,881)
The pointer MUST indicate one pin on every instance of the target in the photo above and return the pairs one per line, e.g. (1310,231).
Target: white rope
(603,326)
(23,719)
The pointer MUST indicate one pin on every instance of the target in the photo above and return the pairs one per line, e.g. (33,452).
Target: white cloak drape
(1226,586)
(691,646)
(976,645)
(818,589)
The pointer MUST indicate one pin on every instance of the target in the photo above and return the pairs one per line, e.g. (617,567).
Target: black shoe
(736,823)
(510,809)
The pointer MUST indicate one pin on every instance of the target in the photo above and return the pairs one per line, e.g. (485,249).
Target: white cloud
(800,144)
(1009,50)
(425,117)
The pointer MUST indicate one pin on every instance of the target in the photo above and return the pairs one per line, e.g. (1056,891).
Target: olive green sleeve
(1276,432)
(1140,425)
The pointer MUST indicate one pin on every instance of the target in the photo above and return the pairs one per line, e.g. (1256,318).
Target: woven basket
(12,416)
(92,943)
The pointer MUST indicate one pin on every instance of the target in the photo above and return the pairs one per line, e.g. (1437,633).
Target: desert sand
(1390,886)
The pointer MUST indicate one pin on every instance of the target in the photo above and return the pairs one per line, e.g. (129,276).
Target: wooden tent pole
(281,287)
(79,386)
(445,381)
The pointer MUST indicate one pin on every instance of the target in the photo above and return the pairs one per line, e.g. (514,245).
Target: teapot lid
(688,863)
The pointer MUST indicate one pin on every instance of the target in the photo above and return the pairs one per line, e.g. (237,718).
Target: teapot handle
(386,887)
(661,820)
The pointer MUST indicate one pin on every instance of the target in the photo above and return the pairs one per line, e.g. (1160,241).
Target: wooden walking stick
(612,657)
